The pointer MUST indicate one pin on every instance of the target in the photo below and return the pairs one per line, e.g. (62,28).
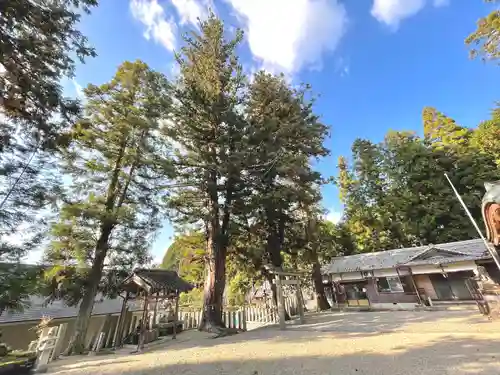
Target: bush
(194,298)
(15,362)
(4,348)
(22,354)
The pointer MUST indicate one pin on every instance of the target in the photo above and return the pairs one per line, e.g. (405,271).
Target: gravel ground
(388,343)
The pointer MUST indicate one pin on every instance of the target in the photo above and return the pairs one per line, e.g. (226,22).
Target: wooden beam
(142,332)
(142,284)
(118,336)
(281,302)
(287,273)
(290,282)
(415,287)
(155,312)
(176,315)
(300,302)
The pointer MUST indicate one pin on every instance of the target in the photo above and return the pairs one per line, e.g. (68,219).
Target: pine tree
(37,45)
(119,166)
(207,124)
(38,42)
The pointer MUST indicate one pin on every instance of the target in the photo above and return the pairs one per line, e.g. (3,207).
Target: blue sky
(375,63)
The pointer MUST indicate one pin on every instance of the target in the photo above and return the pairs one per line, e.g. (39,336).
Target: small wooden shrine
(149,285)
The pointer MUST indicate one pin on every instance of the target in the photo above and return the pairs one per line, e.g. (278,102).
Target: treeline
(395,193)
(227,158)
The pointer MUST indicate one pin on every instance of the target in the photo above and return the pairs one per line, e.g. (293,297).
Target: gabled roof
(156,280)
(443,253)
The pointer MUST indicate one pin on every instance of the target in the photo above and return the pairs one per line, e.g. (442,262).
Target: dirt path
(421,343)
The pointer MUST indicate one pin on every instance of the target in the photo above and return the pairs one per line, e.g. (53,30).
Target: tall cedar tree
(207,126)
(285,136)
(119,167)
(38,41)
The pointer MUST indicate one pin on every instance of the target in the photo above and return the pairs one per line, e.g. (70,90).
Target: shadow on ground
(462,351)
(388,321)
(351,325)
(445,356)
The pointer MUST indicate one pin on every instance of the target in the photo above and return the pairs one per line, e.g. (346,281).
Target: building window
(389,285)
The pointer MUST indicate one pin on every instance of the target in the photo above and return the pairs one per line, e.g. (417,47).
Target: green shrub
(22,354)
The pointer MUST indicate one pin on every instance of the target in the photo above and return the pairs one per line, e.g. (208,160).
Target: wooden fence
(231,318)
(238,317)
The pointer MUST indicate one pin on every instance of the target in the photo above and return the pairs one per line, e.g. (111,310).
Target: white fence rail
(232,319)
(238,318)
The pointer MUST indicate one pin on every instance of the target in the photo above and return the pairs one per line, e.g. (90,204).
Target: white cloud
(190,10)
(287,35)
(158,27)
(392,12)
(334,216)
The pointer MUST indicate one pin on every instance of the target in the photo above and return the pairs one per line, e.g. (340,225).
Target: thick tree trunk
(321,300)
(77,342)
(214,288)
(217,244)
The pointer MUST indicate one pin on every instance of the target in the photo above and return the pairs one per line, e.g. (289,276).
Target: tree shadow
(338,326)
(444,356)
(352,325)
(85,362)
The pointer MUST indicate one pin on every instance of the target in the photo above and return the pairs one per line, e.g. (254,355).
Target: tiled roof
(444,260)
(160,279)
(457,251)
(58,309)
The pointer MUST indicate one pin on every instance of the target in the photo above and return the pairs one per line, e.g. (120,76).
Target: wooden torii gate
(282,278)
